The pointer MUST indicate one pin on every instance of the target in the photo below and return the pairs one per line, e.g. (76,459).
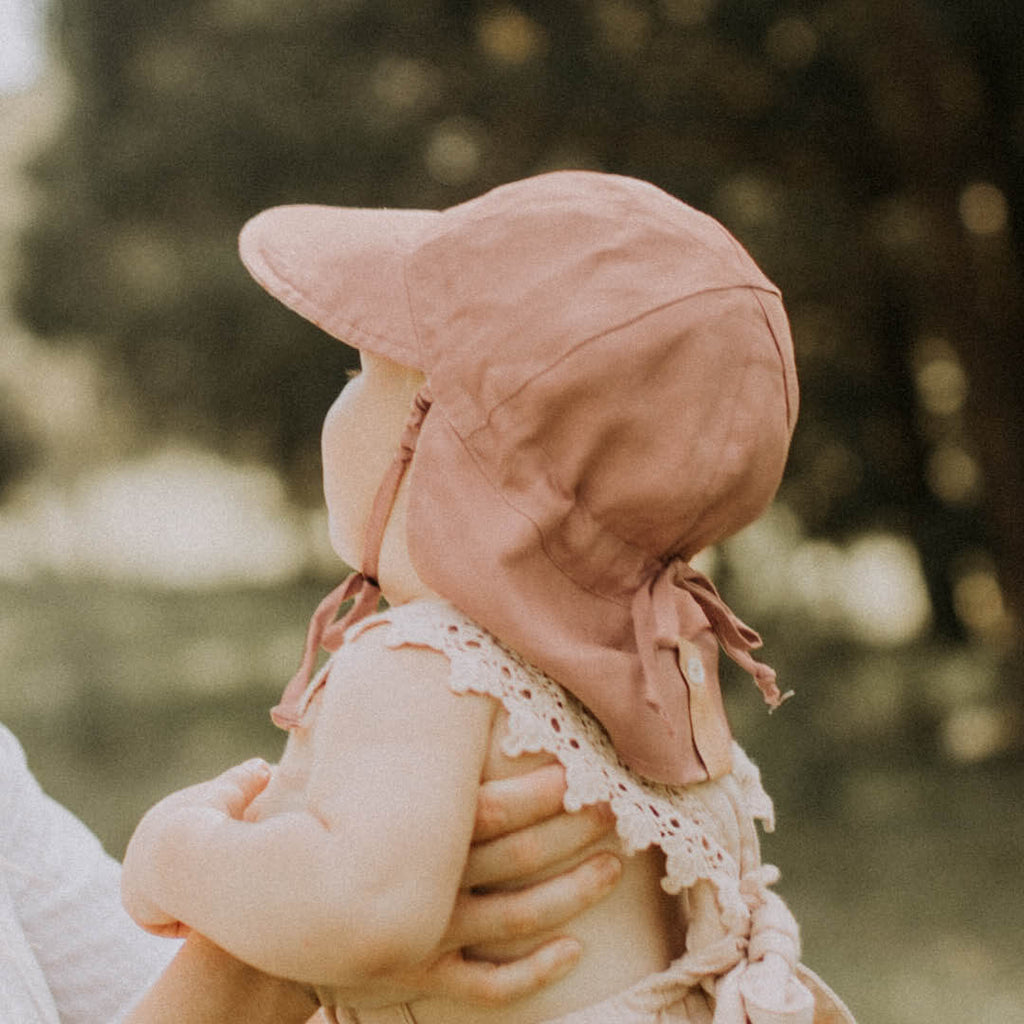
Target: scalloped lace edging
(695,826)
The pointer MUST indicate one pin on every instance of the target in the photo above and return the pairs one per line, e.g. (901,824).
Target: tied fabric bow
(665,622)
(327,633)
(323,630)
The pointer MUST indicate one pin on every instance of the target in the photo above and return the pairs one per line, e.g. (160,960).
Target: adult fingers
(505,805)
(489,984)
(536,848)
(524,913)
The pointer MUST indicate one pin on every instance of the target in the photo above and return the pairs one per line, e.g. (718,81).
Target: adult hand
(521,830)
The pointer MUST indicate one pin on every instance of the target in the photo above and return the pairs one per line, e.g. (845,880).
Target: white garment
(68,951)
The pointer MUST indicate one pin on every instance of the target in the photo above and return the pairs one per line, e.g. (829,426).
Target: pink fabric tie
(660,625)
(325,629)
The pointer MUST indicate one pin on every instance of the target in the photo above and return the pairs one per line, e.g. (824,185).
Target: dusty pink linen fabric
(613,389)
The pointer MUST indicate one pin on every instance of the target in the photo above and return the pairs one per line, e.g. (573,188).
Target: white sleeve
(65,892)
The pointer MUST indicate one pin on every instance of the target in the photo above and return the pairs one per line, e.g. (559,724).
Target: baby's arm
(363,880)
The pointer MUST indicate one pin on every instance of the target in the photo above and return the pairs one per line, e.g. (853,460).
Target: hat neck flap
(670,611)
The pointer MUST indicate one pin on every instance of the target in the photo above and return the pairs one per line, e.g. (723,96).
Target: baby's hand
(162,829)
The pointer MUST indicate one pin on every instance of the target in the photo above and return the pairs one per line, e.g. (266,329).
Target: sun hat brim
(343,269)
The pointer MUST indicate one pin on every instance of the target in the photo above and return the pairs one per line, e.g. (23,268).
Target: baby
(569,387)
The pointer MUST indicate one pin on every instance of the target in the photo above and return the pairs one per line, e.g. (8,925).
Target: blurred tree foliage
(869,153)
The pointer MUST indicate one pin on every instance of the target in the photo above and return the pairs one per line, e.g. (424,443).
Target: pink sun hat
(612,389)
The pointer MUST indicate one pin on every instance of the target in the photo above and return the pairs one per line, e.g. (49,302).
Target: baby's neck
(403,587)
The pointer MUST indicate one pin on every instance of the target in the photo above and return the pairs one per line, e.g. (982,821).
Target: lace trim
(542,716)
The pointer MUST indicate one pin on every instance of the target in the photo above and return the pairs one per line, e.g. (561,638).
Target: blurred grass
(903,868)
(120,694)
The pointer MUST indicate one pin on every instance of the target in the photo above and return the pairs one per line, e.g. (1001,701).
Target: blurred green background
(161,541)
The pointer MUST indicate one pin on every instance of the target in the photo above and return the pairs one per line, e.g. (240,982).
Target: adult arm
(205,985)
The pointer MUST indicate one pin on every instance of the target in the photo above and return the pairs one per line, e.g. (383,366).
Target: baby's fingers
(232,791)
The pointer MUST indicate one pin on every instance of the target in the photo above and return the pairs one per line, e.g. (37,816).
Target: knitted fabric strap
(656,620)
(323,630)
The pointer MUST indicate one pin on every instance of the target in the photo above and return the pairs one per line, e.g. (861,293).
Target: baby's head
(613,389)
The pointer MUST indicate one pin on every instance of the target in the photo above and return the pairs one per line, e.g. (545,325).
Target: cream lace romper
(707,833)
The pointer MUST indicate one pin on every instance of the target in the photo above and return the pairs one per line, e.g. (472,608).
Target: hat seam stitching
(500,492)
(577,501)
(591,516)
(790,418)
(410,309)
(604,333)
(628,205)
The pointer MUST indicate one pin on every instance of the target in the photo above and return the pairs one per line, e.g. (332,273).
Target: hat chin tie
(669,612)
(325,629)
(735,636)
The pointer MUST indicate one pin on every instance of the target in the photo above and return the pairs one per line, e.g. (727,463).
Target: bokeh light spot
(454,152)
(401,84)
(510,37)
(747,200)
(975,733)
(978,600)
(902,224)
(22,47)
(953,475)
(941,385)
(983,209)
(814,567)
(884,593)
(179,518)
(624,26)
(791,43)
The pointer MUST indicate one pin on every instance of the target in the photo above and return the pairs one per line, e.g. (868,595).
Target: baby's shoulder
(385,676)
(427,639)
(379,647)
